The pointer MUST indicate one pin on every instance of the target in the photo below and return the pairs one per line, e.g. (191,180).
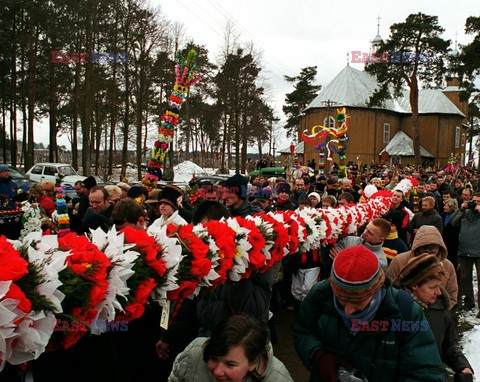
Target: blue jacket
(8,187)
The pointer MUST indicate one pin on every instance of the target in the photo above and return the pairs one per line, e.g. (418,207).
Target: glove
(327,365)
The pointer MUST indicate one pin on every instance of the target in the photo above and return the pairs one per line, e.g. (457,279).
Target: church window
(386,133)
(330,122)
(457,137)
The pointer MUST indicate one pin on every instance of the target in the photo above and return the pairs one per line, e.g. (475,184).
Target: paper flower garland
(186,75)
(48,279)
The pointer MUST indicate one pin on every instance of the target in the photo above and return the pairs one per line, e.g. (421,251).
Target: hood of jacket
(428,234)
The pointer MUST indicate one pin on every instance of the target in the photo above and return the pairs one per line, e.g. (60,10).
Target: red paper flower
(12,265)
(25,305)
(224,238)
(148,247)
(255,238)
(185,289)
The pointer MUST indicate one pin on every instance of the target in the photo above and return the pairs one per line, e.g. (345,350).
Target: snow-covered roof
(431,101)
(353,88)
(299,148)
(402,145)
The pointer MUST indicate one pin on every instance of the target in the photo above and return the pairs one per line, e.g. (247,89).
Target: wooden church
(383,134)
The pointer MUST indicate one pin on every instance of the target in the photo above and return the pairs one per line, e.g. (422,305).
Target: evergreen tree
(417,54)
(305,91)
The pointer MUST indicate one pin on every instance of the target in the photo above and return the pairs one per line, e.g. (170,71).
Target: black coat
(451,234)
(443,328)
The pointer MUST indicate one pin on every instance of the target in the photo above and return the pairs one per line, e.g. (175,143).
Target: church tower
(377,41)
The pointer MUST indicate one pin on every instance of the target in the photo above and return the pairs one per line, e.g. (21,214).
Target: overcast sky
(294,34)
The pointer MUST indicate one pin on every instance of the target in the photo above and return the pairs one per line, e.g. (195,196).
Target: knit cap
(237,184)
(283,187)
(356,274)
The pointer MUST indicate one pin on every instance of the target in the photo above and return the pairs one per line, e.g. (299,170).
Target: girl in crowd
(237,351)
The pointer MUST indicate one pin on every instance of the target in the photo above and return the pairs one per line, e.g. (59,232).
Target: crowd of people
(414,264)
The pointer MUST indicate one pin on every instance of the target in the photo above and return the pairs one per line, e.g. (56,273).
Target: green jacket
(403,356)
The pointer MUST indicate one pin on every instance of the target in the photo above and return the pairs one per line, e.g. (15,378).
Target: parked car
(23,182)
(270,172)
(42,172)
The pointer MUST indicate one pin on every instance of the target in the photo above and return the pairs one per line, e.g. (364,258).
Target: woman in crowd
(237,351)
(314,199)
(43,200)
(168,201)
(422,278)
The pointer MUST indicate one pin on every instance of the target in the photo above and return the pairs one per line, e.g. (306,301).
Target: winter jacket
(8,187)
(428,234)
(469,243)
(381,356)
(443,328)
(430,217)
(393,245)
(245,210)
(451,234)
(288,206)
(174,218)
(189,366)
(46,202)
(350,241)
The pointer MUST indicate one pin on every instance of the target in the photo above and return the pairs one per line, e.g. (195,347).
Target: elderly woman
(451,231)
(237,351)
(422,278)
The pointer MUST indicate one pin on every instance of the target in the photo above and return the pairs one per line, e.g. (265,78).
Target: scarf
(366,314)
(418,301)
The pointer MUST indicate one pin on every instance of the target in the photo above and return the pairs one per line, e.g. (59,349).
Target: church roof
(402,145)
(353,88)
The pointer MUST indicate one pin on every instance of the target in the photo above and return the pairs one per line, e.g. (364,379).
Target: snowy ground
(471,338)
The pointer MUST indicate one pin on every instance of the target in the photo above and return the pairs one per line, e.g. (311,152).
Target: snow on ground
(470,340)
(184,171)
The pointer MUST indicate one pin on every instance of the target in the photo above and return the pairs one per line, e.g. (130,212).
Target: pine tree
(305,91)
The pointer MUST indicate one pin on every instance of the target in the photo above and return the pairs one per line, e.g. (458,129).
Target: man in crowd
(8,187)
(87,184)
(235,197)
(399,204)
(328,336)
(98,214)
(428,216)
(373,237)
(299,191)
(469,249)
(346,186)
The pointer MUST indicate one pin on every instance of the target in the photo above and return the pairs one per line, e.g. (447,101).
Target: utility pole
(328,103)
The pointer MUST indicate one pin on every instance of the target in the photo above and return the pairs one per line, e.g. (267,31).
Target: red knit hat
(356,274)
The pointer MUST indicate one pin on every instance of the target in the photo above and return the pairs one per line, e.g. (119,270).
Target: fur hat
(170,195)
(89,182)
(4,167)
(135,191)
(283,187)
(124,186)
(237,184)
(153,196)
(420,269)
(48,186)
(356,274)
